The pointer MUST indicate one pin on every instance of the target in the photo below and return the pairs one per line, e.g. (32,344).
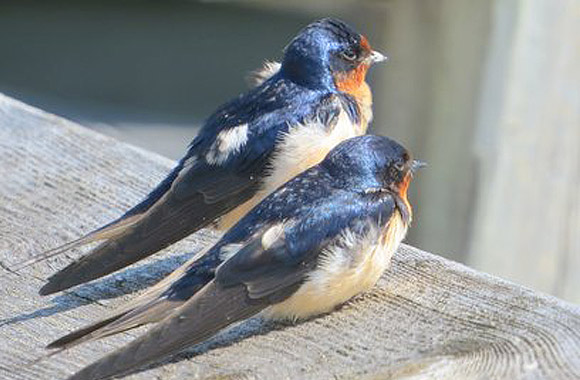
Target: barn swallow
(245,150)
(320,239)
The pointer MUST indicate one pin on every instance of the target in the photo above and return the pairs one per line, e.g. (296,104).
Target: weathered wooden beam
(528,141)
(427,318)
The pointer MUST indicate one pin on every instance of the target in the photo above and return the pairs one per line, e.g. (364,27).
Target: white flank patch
(227,142)
(344,270)
(305,146)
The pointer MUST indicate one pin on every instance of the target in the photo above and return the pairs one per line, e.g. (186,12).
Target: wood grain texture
(428,318)
(528,206)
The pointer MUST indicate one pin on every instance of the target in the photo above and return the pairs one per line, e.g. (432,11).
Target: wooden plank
(427,318)
(528,211)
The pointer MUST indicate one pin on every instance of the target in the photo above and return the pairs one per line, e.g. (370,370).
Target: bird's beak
(375,57)
(416,164)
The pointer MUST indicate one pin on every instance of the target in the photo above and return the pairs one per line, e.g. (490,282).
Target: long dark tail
(209,311)
(126,320)
(151,306)
(110,230)
(163,225)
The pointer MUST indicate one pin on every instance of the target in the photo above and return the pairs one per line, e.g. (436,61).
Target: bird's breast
(304,146)
(351,266)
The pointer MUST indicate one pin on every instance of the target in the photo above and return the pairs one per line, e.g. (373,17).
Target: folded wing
(267,268)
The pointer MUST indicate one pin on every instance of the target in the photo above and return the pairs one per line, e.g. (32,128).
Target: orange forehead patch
(364,43)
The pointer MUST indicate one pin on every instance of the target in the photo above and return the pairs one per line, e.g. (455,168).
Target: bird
(245,150)
(323,237)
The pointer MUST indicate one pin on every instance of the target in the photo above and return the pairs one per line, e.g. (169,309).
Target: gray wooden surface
(528,142)
(428,318)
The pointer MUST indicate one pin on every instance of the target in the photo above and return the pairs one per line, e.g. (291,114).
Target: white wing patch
(227,142)
(272,235)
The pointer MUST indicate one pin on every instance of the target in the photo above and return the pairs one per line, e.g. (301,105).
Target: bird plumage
(245,150)
(321,238)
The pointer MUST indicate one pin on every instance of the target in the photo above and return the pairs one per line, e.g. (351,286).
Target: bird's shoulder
(256,118)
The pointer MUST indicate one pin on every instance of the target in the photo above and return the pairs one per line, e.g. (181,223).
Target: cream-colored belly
(344,271)
(302,148)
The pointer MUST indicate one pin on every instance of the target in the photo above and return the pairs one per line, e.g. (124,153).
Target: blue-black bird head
(372,164)
(329,54)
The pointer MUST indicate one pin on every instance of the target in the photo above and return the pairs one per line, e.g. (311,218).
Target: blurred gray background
(486,91)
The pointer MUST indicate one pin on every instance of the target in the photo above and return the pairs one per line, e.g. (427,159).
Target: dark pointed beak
(375,57)
(416,164)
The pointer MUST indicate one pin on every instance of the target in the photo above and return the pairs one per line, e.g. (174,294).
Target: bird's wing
(112,229)
(273,270)
(185,281)
(151,306)
(210,310)
(197,197)
(207,184)
(160,301)
(265,270)
(118,226)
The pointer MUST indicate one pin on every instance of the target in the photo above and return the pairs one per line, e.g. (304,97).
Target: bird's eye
(349,55)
